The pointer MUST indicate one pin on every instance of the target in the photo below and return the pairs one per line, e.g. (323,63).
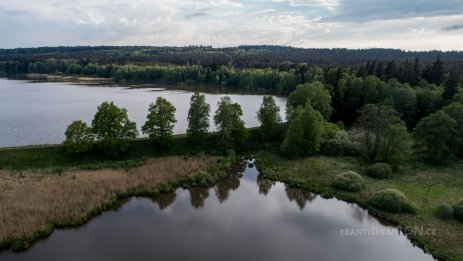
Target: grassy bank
(33,203)
(55,156)
(426,186)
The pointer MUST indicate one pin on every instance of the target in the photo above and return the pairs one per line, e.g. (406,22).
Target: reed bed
(33,203)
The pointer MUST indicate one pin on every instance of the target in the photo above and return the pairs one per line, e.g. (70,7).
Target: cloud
(199,14)
(367,10)
(411,25)
(453,27)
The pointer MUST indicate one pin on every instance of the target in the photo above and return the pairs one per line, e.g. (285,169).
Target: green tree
(161,120)
(304,132)
(434,136)
(455,111)
(451,85)
(320,98)
(380,129)
(112,128)
(228,121)
(79,137)
(198,118)
(269,118)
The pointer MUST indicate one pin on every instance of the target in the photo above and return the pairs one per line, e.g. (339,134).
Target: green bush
(379,171)
(340,145)
(349,181)
(444,211)
(393,201)
(458,211)
(202,179)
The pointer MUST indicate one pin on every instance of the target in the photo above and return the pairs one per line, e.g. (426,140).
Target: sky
(401,24)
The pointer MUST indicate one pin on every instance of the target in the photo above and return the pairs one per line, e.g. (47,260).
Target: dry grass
(31,201)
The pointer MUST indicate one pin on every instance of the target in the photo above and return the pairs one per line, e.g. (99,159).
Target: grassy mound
(349,181)
(393,201)
(379,171)
(444,211)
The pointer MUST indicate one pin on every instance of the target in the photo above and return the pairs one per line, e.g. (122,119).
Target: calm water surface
(34,113)
(244,217)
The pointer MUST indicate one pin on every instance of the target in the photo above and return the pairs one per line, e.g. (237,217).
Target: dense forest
(416,84)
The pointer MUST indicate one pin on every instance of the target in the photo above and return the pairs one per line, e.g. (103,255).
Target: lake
(243,217)
(33,113)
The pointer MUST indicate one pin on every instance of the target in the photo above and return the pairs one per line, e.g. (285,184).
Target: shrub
(444,211)
(202,179)
(393,201)
(340,145)
(349,181)
(379,171)
(458,211)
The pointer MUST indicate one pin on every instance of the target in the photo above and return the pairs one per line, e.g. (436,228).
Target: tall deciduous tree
(304,132)
(112,128)
(455,111)
(198,118)
(161,120)
(228,121)
(79,137)
(435,136)
(380,127)
(269,118)
(320,98)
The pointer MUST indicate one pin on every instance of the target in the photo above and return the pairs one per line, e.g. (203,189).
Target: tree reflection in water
(301,196)
(198,196)
(264,184)
(223,188)
(165,200)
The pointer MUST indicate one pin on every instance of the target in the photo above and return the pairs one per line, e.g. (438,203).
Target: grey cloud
(367,10)
(194,15)
(453,27)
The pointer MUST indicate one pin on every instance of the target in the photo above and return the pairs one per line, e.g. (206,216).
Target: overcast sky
(403,24)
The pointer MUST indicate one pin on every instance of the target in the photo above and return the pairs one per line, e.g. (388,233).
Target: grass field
(427,186)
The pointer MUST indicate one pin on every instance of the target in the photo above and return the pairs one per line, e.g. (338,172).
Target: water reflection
(300,196)
(244,217)
(165,200)
(223,188)
(198,196)
(264,185)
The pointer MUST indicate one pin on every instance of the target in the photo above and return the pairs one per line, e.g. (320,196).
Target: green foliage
(384,135)
(444,211)
(202,179)
(341,144)
(198,118)
(455,111)
(458,211)
(319,96)
(112,128)
(269,118)
(79,138)
(304,132)
(231,127)
(349,181)
(379,171)
(392,200)
(160,123)
(435,136)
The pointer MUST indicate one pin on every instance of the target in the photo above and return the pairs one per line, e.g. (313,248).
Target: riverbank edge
(328,192)
(225,166)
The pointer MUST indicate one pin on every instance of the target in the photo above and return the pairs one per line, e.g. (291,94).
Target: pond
(243,217)
(33,113)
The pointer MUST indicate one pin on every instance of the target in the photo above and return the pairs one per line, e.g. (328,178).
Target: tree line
(379,133)
(250,56)
(112,131)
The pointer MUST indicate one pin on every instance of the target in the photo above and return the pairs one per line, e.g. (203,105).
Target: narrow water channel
(244,217)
